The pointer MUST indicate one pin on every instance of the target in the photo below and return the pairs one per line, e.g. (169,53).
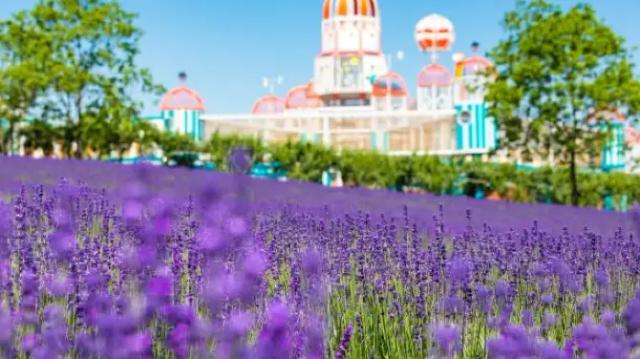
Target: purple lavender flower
(447,340)
(597,341)
(548,320)
(635,217)
(502,291)
(632,316)
(608,318)
(513,342)
(459,272)
(550,351)
(275,340)
(343,346)
(546,299)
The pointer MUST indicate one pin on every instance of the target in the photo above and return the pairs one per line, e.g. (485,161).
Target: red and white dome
(434,75)
(301,97)
(182,98)
(269,104)
(339,8)
(391,84)
(435,33)
(474,64)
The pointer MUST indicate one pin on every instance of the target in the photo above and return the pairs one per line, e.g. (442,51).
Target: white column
(326,131)
(412,138)
(379,135)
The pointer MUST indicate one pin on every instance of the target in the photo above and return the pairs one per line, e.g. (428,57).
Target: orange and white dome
(340,8)
(435,33)
(301,97)
(270,104)
(182,98)
(434,75)
(391,84)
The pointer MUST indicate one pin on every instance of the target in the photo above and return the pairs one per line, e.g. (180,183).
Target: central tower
(351,56)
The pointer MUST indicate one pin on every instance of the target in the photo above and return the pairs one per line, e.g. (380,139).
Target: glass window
(350,72)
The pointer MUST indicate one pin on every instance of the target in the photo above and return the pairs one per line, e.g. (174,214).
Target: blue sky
(226,47)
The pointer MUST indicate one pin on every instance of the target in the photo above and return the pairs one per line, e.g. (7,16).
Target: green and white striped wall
(185,122)
(480,132)
(614,152)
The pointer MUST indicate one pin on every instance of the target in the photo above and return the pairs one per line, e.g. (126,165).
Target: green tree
(106,137)
(172,143)
(87,65)
(24,64)
(305,161)
(555,70)
(39,134)
(219,146)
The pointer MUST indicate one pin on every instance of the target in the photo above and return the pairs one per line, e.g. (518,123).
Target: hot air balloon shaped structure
(435,34)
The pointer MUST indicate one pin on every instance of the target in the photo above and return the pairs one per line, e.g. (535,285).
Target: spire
(182,76)
(475,47)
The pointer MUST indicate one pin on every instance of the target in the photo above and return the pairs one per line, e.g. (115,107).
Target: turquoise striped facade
(160,121)
(614,153)
(479,132)
(186,122)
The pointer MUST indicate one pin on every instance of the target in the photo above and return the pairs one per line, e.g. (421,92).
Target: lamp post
(270,83)
(399,55)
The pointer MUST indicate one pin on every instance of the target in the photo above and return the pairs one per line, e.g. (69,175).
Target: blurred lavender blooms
(598,341)
(632,322)
(182,265)
(274,341)
(447,341)
(635,217)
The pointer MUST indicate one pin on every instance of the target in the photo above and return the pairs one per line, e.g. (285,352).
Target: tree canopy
(556,71)
(73,62)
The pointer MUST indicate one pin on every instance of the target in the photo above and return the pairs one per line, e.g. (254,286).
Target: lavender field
(99,260)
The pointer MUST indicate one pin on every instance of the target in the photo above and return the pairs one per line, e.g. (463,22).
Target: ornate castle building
(354,100)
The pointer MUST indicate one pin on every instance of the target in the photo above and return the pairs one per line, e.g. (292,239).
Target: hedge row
(306,162)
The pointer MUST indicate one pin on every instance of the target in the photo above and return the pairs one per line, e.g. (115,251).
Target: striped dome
(339,8)
(390,84)
(182,98)
(303,96)
(434,75)
(269,104)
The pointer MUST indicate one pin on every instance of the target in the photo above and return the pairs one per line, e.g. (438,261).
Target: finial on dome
(475,47)
(182,76)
